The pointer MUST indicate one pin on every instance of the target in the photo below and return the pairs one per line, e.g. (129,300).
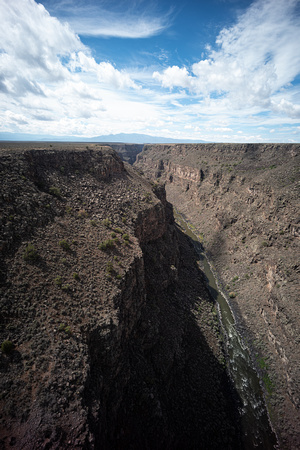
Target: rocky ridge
(112,348)
(243,202)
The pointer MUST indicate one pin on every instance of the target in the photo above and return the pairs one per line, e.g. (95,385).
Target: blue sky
(218,70)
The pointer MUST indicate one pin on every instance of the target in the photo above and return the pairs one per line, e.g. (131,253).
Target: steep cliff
(109,337)
(243,200)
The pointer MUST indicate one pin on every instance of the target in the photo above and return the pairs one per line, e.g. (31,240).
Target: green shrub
(30,253)
(82,214)
(7,347)
(65,328)
(55,191)
(125,237)
(147,197)
(64,244)
(75,276)
(93,223)
(107,244)
(119,230)
(65,287)
(106,223)
(124,220)
(58,281)
(109,267)
(113,235)
(269,385)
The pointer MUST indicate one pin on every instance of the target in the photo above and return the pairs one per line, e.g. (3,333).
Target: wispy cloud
(254,60)
(137,20)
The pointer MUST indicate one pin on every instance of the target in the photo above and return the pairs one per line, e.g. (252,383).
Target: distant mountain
(136,138)
(133,138)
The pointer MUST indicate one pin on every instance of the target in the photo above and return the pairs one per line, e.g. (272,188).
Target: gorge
(115,337)
(243,203)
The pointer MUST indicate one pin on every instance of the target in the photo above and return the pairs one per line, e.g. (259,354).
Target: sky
(217,70)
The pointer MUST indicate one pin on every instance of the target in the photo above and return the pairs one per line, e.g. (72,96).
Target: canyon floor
(243,203)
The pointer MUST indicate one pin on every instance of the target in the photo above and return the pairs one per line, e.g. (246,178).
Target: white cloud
(140,19)
(32,44)
(105,71)
(104,23)
(256,58)
(174,76)
(286,107)
(36,49)
(46,72)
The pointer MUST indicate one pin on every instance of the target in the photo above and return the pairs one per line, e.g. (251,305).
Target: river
(256,430)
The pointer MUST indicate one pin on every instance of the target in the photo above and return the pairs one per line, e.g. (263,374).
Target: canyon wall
(109,338)
(243,202)
(127,152)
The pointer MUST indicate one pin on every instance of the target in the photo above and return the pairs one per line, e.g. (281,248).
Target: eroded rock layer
(110,339)
(243,201)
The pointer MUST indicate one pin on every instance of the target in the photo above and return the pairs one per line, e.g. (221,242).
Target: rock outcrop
(243,201)
(110,339)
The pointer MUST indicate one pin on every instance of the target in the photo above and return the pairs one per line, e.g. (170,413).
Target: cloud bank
(47,74)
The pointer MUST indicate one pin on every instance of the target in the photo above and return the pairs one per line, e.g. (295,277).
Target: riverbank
(257,429)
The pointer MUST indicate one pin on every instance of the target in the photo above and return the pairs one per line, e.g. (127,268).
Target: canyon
(242,201)
(112,338)
(109,336)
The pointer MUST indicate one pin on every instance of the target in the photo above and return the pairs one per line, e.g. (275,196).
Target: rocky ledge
(243,202)
(109,338)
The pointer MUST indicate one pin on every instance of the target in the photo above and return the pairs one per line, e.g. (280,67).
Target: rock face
(114,335)
(244,202)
